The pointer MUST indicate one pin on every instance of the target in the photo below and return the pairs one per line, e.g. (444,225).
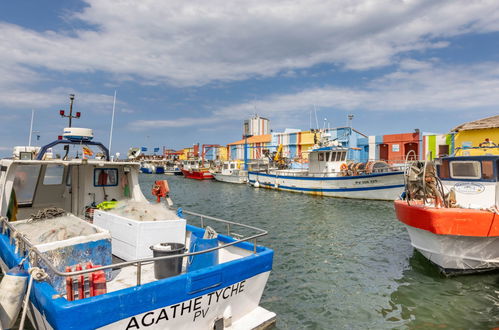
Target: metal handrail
(32,249)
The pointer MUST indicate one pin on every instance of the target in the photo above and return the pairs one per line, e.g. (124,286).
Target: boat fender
(256,184)
(12,291)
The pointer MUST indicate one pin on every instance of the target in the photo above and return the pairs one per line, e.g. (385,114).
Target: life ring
(343,167)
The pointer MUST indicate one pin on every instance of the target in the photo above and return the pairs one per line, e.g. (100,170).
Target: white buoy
(256,184)
(12,291)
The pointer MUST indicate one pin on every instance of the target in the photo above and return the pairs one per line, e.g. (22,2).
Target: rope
(38,274)
(48,213)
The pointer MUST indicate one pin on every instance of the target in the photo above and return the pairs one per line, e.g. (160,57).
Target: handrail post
(228,229)
(254,245)
(139,273)
(202,221)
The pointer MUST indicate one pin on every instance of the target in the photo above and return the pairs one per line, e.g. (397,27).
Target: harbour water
(342,264)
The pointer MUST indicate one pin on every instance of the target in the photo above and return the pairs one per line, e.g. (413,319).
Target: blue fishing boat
(100,255)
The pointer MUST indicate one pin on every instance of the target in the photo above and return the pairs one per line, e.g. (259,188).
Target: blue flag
(156,149)
(143,149)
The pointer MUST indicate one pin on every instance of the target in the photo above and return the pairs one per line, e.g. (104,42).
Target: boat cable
(37,274)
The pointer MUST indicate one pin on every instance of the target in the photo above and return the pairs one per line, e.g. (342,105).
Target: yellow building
(480,137)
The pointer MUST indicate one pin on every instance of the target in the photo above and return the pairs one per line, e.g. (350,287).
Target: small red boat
(198,174)
(450,212)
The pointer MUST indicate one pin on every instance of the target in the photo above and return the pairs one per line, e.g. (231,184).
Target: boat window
(343,156)
(443,170)
(487,169)
(232,166)
(105,177)
(25,182)
(465,170)
(321,156)
(226,166)
(53,174)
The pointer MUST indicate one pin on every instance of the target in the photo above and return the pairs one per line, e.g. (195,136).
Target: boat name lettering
(198,307)
(366,181)
(469,187)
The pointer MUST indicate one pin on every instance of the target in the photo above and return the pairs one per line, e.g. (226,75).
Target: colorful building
(258,145)
(471,138)
(256,126)
(392,148)
(436,145)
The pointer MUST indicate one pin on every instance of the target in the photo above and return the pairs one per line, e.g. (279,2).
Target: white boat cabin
(472,178)
(327,160)
(72,185)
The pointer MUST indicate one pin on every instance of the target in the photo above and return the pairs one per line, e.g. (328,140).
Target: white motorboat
(231,172)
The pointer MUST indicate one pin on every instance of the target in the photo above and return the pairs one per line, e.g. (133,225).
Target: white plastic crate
(131,239)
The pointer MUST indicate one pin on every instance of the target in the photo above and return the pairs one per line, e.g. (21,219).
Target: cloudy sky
(191,71)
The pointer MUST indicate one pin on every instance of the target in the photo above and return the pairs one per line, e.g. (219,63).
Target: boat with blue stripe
(101,256)
(330,173)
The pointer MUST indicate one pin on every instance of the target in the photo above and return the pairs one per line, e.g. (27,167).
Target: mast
(31,126)
(112,124)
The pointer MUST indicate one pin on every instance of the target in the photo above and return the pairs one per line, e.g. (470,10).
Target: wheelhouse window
(53,174)
(226,166)
(465,169)
(487,169)
(105,177)
(443,170)
(321,156)
(25,181)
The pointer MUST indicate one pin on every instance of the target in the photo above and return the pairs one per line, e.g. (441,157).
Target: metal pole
(31,126)
(246,152)
(71,97)
(112,123)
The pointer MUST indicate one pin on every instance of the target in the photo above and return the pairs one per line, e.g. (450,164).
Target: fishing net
(143,211)
(43,230)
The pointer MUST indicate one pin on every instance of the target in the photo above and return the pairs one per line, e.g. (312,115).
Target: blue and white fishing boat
(331,173)
(100,269)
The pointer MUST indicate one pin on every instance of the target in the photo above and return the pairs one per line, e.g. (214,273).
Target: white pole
(112,123)
(316,120)
(31,126)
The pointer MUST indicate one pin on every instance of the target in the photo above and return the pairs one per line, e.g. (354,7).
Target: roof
(265,138)
(489,122)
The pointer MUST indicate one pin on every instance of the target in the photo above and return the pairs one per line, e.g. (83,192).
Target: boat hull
(454,239)
(198,174)
(192,300)
(230,178)
(379,186)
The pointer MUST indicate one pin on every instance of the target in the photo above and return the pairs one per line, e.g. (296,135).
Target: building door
(443,150)
(408,147)
(383,151)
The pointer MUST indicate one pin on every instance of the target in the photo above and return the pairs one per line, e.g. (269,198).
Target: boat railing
(26,249)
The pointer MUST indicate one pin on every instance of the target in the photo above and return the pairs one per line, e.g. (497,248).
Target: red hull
(198,174)
(448,221)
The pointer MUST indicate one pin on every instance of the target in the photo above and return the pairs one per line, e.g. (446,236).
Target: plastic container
(202,260)
(167,267)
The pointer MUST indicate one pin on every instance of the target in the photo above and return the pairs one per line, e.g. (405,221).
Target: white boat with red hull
(450,212)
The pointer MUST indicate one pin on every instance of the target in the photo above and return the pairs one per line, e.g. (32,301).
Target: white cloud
(199,41)
(416,86)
